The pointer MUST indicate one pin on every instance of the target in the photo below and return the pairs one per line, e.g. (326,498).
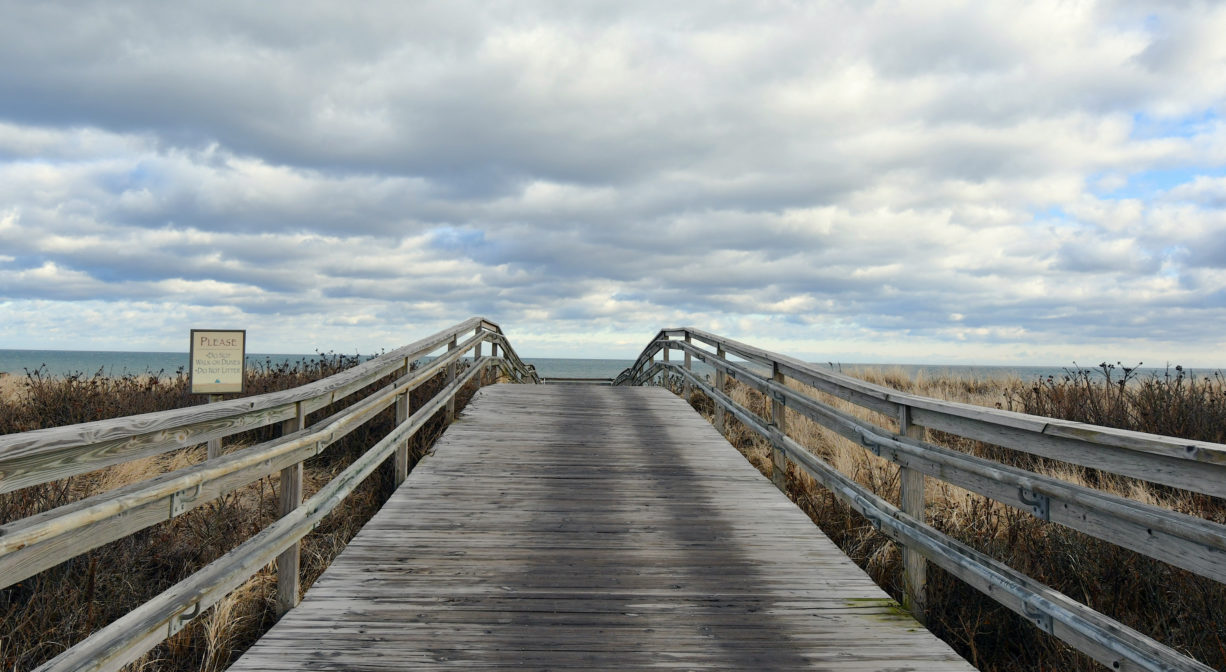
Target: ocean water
(547,367)
(61,362)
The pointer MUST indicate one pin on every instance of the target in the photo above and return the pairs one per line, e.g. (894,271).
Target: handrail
(1192,543)
(39,456)
(1199,466)
(32,544)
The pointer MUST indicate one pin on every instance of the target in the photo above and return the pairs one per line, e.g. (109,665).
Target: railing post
(451,379)
(493,371)
(911,501)
(291,498)
(685,386)
(779,463)
(401,462)
(720,420)
(664,372)
(214,445)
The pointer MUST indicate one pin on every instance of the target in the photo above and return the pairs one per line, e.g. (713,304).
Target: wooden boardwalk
(592,527)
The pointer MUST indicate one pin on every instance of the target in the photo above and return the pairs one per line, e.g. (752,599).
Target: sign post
(217,361)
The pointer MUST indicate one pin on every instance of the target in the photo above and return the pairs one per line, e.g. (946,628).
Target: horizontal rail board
(1192,543)
(1197,466)
(1184,541)
(1108,641)
(133,634)
(33,544)
(39,456)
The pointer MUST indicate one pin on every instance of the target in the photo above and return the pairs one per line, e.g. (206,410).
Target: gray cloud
(862,181)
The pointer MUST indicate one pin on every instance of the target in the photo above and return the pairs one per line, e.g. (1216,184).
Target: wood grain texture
(288,573)
(912,502)
(591,527)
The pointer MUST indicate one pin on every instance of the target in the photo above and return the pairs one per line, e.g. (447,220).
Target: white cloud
(886,181)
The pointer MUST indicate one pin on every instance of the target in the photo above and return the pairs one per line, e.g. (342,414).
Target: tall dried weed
(1185,611)
(47,613)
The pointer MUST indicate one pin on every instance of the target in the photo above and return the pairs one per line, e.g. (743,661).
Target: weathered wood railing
(1189,542)
(30,545)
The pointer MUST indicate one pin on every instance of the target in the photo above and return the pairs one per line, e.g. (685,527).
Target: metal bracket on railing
(779,397)
(179,620)
(869,443)
(869,512)
(1040,504)
(183,499)
(1041,618)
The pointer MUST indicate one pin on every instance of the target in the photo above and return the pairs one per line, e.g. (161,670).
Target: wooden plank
(451,373)
(685,389)
(597,528)
(291,497)
(912,502)
(213,449)
(779,429)
(720,383)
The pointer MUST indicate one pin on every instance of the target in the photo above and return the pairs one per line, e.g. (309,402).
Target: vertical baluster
(451,379)
(403,408)
(685,387)
(291,498)
(665,373)
(214,445)
(779,463)
(911,501)
(721,422)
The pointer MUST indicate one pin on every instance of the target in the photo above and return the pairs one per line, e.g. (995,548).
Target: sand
(11,385)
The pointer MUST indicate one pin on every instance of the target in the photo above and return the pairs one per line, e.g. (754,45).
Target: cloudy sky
(1030,183)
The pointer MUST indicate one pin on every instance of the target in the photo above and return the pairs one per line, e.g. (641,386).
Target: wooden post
(911,501)
(451,379)
(402,451)
(685,387)
(720,420)
(214,445)
(664,375)
(779,463)
(493,372)
(291,498)
(477,358)
(401,462)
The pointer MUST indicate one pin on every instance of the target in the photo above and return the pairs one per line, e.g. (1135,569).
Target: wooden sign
(217,360)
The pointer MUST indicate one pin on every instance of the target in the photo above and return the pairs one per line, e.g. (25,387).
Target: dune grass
(1182,610)
(47,613)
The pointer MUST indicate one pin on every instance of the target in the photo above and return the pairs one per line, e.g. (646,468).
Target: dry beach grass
(1178,608)
(45,614)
